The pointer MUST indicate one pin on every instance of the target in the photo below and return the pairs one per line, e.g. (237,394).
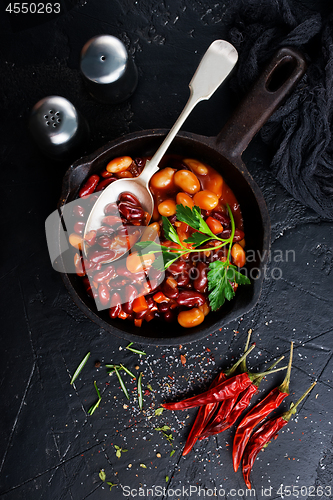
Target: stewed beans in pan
(137,287)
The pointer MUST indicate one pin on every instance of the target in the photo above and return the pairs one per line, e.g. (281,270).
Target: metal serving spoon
(214,67)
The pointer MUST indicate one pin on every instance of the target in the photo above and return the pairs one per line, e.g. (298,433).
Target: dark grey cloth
(301,130)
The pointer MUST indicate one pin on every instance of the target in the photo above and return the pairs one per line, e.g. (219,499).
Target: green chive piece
(93,407)
(140,391)
(112,366)
(134,350)
(166,479)
(127,371)
(102,475)
(98,393)
(122,385)
(79,368)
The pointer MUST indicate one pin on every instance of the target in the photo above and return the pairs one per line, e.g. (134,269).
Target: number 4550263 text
(33,8)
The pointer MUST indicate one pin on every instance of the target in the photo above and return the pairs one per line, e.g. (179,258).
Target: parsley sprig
(221,273)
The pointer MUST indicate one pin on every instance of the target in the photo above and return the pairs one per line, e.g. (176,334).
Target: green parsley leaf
(169,258)
(241,279)
(102,475)
(118,453)
(191,216)
(172,452)
(111,484)
(166,479)
(216,284)
(169,231)
(228,291)
(197,239)
(143,466)
(159,411)
(152,245)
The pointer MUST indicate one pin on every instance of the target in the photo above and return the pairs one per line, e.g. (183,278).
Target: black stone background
(49,447)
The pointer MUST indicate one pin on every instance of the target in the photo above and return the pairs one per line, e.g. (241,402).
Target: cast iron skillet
(224,153)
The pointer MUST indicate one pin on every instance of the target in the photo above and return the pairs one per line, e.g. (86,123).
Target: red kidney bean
(90,186)
(91,200)
(112,220)
(122,230)
(104,241)
(103,184)
(130,212)
(115,305)
(106,174)
(103,295)
(104,230)
(79,227)
(119,282)
(106,273)
(221,217)
(98,256)
(140,162)
(129,198)
(238,236)
(122,270)
(169,291)
(183,279)
(111,209)
(130,294)
(219,254)
(189,298)
(78,211)
(163,307)
(178,267)
(200,284)
(169,316)
(173,219)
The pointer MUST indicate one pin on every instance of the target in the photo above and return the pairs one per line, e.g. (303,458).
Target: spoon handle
(214,67)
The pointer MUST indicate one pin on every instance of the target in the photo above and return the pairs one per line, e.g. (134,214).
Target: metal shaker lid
(57,126)
(104,59)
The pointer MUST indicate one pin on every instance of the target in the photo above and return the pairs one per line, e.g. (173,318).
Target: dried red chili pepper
(227,404)
(262,437)
(203,416)
(257,414)
(227,389)
(222,422)
(214,394)
(207,411)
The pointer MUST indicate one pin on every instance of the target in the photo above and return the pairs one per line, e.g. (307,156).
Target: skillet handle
(277,80)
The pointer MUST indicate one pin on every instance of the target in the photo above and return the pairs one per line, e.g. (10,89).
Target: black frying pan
(224,153)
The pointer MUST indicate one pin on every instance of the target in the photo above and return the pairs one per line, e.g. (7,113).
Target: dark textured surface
(49,448)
